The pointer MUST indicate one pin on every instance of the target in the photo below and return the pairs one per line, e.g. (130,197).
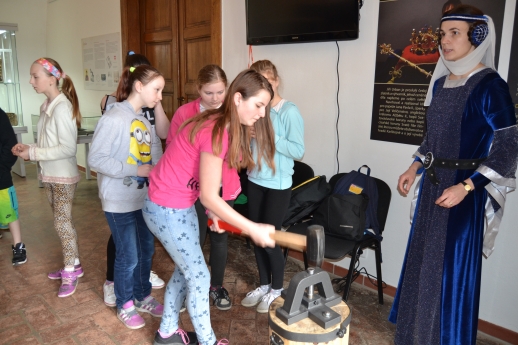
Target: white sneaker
(264,305)
(253,297)
(156,283)
(109,294)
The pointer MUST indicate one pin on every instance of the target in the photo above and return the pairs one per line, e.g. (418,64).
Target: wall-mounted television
(301,21)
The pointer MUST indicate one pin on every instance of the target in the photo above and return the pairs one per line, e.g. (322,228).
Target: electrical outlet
(365,253)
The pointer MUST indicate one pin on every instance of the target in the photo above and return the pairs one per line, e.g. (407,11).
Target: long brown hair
(248,83)
(142,73)
(68,89)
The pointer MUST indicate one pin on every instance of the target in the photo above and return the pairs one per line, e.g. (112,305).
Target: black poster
(512,79)
(407,52)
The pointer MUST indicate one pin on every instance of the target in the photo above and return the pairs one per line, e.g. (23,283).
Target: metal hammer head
(315,245)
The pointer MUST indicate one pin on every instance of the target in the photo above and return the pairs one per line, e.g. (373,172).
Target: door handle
(181,99)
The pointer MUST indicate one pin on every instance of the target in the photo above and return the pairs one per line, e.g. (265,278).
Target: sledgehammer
(312,244)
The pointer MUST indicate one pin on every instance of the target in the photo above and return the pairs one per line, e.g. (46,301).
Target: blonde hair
(67,88)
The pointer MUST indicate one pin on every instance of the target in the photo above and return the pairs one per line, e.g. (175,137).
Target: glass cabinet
(10,99)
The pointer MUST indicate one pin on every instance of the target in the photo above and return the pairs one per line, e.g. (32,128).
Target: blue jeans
(178,231)
(134,245)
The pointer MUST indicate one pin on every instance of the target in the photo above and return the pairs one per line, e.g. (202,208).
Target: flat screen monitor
(300,21)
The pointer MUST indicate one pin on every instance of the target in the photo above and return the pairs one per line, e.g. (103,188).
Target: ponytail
(142,73)
(69,91)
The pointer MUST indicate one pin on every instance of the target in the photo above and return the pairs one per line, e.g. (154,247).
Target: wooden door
(178,37)
(200,41)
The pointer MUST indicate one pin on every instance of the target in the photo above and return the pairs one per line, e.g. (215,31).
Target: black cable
(338,106)
(340,282)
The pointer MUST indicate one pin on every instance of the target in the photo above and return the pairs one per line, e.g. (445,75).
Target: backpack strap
(368,169)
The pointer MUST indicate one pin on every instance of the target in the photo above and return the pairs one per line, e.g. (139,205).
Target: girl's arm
(161,121)
(67,137)
(109,136)
(292,144)
(210,181)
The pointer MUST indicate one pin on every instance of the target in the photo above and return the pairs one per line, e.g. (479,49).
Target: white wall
(31,41)
(309,77)
(69,21)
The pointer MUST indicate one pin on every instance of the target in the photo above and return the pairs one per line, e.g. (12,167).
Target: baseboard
(488,328)
(83,169)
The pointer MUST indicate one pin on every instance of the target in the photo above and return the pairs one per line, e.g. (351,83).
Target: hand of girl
(215,226)
(18,148)
(452,196)
(260,234)
(144,170)
(21,150)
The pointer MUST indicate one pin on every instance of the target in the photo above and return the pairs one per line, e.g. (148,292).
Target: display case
(10,98)
(88,123)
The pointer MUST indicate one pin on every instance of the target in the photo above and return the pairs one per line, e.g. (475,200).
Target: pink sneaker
(68,284)
(150,305)
(78,271)
(129,316)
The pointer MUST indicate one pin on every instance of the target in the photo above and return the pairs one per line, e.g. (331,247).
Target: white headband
(484,53)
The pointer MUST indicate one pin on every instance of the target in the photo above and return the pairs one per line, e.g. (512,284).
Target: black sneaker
(180,337)
(19,254)
(220,298)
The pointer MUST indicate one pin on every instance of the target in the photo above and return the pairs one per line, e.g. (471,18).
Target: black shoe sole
(19,262)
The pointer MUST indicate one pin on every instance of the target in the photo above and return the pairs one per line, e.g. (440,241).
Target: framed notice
(407,52)
(102,63)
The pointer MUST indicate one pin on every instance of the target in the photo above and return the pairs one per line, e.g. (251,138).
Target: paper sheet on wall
(102,63)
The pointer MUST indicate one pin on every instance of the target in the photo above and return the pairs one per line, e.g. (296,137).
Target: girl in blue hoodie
(269,190)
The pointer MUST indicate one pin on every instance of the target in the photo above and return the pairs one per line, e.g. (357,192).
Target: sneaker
(220,298)
(109,294)
(267,299)
(78,271)
(68,284)
(19,254)
(130,318)
(180,337)
(253,297)
(150,305)
(156,282)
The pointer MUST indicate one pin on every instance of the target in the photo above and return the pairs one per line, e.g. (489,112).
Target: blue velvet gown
(437,299)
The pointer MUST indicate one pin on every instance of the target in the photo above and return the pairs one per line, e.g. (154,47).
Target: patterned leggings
(60,198)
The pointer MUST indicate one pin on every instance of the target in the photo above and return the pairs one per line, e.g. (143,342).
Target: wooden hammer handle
(284,239)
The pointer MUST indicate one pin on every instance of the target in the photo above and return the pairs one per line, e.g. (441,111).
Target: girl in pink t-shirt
(212,84)
(192,167)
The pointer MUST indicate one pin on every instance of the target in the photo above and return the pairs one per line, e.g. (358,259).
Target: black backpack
(305,199)
(352,208)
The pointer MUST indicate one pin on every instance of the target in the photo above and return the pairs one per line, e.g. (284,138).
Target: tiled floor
(31,312)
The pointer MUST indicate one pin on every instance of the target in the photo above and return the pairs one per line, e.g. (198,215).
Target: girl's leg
(177,230)
(256,204)
(123,227)
(202,221)
(274,209)
(218,255)
(60,197)
(110,259)
(145,251)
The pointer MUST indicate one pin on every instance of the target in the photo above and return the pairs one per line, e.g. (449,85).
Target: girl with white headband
(56,154)
(468,159)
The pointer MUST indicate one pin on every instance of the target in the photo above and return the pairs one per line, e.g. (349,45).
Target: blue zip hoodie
(288,126)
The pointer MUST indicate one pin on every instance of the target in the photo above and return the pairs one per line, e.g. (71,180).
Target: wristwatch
(467,187)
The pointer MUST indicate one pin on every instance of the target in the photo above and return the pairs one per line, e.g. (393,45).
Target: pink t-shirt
(230,179)
(175,180)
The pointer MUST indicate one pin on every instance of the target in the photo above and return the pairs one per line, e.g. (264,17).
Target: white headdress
(484,53)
